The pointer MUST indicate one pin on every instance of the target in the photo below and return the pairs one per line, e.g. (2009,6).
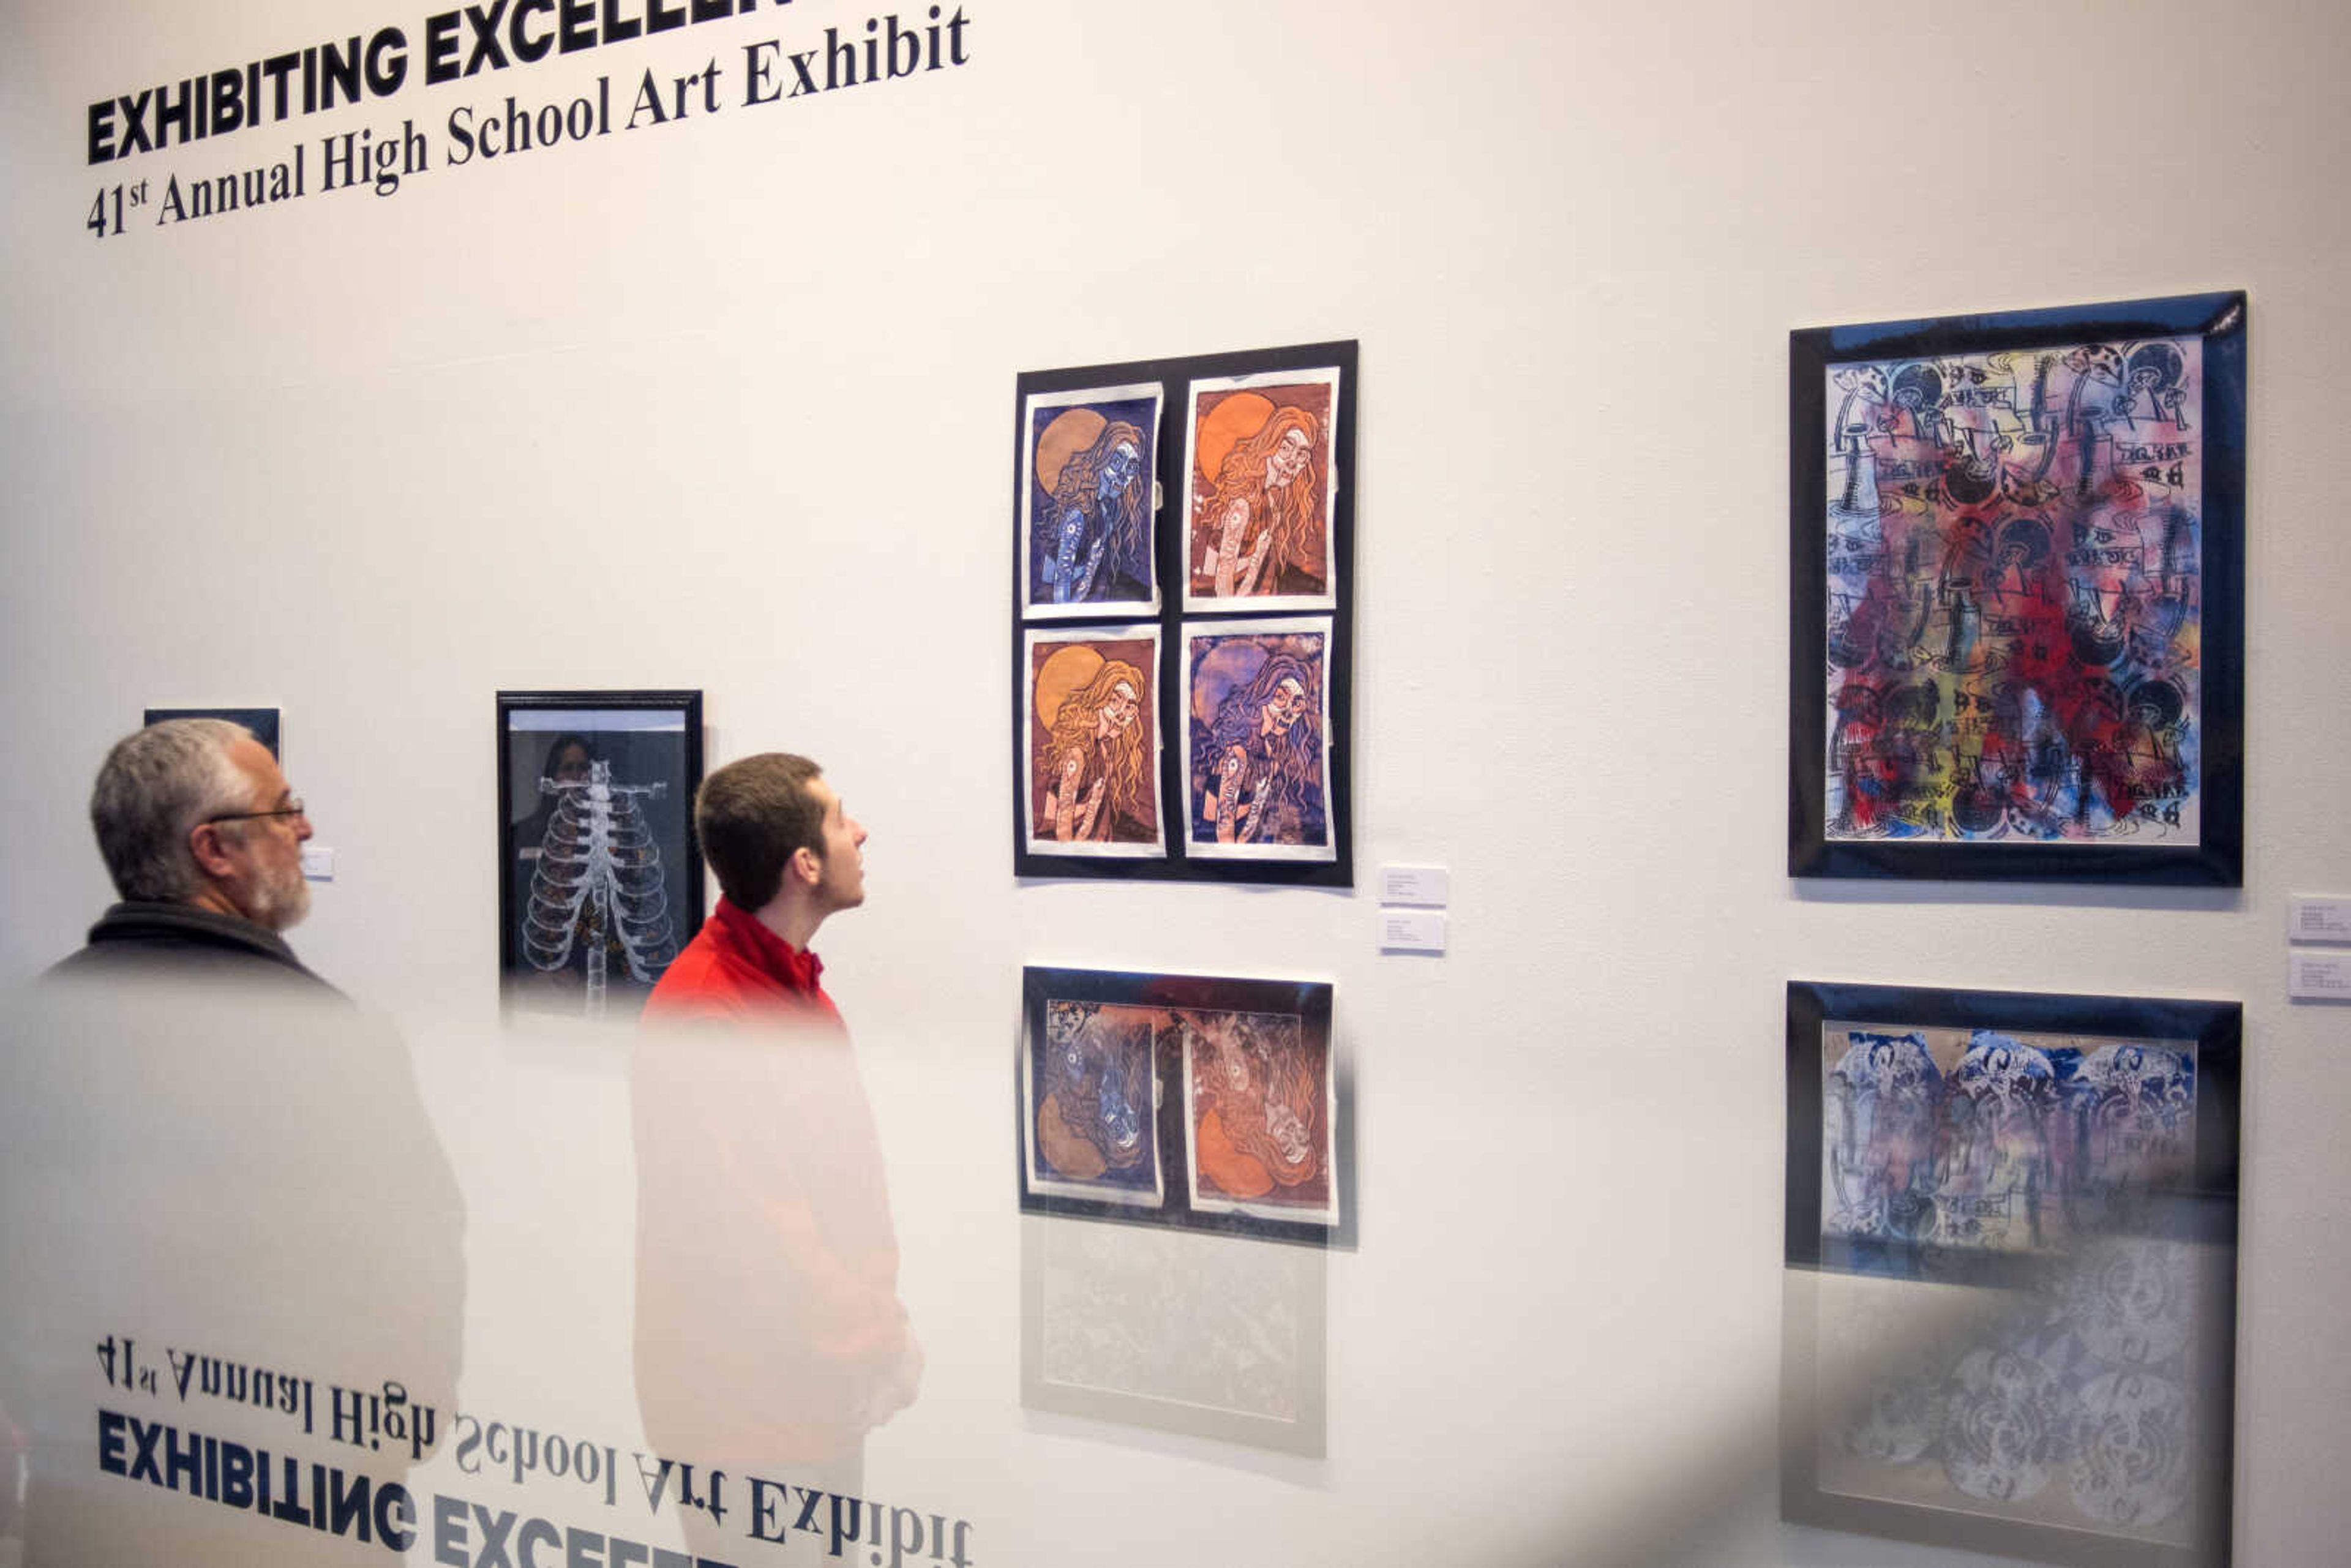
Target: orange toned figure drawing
(1263,520)
(1259,1110)
(1097,757)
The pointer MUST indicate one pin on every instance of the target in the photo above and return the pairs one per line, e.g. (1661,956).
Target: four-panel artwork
(1184,540)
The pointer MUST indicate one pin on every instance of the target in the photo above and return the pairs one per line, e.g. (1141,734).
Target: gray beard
(281,902)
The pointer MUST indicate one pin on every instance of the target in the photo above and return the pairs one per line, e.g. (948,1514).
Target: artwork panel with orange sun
(1090,502)
(1092,778)
(1259,485)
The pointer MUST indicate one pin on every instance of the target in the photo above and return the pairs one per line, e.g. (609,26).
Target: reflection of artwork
(1258,1103)
(1094,1092)
(1979,1139)
(1258,511)
(1255,739)
(1087,480)
(2009,1405)
(1251,1122)
(1175,1331)
(600,884)
(2015,594)
(2013,1219)
(1093,742)
(2024,535)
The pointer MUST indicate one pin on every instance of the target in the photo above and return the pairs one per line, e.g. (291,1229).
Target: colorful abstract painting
(1256,1101)
(2012,1245)
(2015,594)
(1087,495)
(1092,1095)
(2020,549)
(1258,491)
(1093,742)
(1257,725)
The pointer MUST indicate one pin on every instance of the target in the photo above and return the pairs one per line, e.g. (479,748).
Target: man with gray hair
(203,837)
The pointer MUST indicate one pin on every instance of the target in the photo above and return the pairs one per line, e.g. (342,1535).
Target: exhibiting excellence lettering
(317,78)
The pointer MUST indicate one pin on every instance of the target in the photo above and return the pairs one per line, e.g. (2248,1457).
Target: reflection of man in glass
(769,1337)
(568,762)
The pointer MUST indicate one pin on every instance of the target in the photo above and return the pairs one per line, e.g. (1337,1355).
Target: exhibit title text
(317,78)
(504,33)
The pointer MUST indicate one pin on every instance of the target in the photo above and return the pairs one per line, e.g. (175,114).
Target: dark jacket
(178,940)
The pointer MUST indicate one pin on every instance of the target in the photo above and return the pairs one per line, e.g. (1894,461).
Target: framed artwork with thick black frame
(1202,1102)
(1183,617)
(599,881)
(2017,606)
(2010,1248)
(261,721)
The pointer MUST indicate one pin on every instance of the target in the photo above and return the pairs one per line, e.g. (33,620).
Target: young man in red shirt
(770,1335)
(787,856)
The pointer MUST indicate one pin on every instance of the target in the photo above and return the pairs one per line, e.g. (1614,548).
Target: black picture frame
(655,737)
(1879,1438)
(1176,1199)
(261,721)
(1175,614)
(2002,483)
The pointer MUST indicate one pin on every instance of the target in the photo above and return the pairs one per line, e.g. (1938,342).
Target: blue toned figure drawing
(1091,1087)
(1089,503)
(1258,740)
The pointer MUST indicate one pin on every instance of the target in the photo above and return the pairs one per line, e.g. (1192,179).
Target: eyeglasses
(293,808)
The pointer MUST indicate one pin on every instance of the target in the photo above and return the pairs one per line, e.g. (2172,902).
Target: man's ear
(806,866)
(211,850)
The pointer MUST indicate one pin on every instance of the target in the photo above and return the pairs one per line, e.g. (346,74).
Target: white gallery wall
(724,403)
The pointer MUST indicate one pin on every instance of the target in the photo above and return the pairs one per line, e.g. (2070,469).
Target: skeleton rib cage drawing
(598,882)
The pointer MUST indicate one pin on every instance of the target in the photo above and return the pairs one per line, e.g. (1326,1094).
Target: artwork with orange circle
(1088,502)
(1259,490)
(1094,741)
(1258,1103)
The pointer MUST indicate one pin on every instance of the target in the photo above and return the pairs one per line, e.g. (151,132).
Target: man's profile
(202,838)
(788,856)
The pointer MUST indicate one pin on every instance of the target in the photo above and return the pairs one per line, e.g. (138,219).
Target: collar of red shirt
(791,967)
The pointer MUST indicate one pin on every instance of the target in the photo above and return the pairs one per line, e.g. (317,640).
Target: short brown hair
(750,815)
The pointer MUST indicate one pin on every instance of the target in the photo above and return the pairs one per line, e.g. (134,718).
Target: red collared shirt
(737,968)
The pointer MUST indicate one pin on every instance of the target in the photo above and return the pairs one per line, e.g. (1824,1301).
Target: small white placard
(318,862)
(1426,884)
(2319,976)
(1412,930)
(2312,918)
